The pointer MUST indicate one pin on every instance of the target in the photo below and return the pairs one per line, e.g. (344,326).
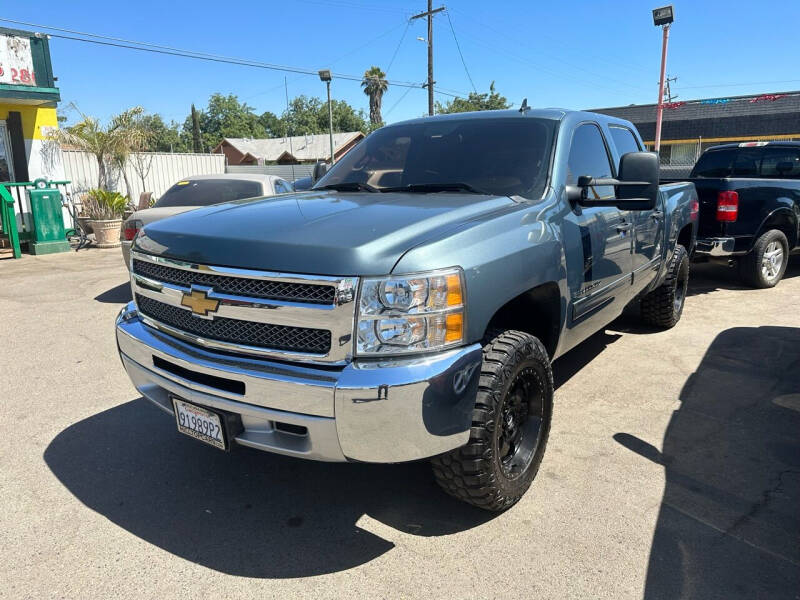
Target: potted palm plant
(105,210)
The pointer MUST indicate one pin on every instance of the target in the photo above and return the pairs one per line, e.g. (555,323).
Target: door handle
(657,215)
(624,227)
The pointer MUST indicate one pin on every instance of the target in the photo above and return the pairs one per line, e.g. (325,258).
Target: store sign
(16,61)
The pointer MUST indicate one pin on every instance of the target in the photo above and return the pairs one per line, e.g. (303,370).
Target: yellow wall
(33,119)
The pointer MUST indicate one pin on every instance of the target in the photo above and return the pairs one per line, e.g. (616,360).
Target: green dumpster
(48,235)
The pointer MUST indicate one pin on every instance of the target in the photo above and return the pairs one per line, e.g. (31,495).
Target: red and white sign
(16,61)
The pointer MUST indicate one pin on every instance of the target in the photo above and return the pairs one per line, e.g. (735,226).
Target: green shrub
(102,205)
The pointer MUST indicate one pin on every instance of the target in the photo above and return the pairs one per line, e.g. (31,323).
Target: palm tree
(109,145)
(375,85)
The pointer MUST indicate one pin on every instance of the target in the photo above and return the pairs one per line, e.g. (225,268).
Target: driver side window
(588,156)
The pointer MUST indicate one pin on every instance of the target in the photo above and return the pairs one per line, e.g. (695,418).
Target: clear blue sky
(574,54)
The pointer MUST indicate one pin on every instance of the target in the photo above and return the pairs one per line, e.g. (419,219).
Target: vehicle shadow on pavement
(729,523)
(120,294)
(705,278)
(246,512)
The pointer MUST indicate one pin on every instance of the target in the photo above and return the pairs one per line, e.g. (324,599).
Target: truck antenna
(524,106)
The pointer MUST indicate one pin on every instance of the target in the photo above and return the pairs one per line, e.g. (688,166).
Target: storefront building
(28,99)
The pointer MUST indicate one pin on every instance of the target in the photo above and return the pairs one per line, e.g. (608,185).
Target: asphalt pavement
(672,471)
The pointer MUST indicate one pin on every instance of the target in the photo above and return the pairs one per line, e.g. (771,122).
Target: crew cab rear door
(598,237)
(648,225)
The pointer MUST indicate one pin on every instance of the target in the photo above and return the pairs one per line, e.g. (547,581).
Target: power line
(104,40)
(398,102)
(396,50)
(458,46)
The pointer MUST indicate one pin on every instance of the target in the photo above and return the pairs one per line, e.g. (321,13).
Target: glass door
(6,163)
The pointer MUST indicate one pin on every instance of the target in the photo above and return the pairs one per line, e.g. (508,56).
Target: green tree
(310,115)
(161,137)
(473,102)
(272,124)
(375,85)
(225,117)
(197,140)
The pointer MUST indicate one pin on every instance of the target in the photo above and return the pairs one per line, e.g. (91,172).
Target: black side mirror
(636,188)
(638,174)
(320,168)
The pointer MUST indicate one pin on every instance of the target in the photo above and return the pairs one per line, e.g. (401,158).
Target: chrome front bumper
(715,246)
(391,410)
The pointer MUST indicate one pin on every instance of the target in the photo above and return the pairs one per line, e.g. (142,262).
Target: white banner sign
(16,61)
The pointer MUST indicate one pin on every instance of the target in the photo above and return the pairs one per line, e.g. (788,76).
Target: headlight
(411,313)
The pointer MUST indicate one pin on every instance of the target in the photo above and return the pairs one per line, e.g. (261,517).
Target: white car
(200,190)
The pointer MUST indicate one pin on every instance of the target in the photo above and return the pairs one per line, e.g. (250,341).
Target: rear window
(202,192)
(768,162)
(781,163)
(716,163)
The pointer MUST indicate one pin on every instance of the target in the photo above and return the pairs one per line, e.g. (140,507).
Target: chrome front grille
(262,335)
(239,286)
(286,316)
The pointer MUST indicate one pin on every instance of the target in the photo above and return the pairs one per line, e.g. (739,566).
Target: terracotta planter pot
(107,233)
(85,223)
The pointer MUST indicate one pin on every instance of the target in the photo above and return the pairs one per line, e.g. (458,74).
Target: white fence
(287,172)
(161,169)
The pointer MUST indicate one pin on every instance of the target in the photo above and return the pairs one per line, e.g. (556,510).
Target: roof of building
(776,113)
(300,147)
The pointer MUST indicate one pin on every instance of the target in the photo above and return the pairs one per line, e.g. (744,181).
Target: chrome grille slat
(274,314)
(263,335)
(240,286)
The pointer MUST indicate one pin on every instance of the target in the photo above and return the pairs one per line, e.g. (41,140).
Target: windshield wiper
(424,188)
(349,186)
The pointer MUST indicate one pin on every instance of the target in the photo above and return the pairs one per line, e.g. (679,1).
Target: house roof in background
(301,147)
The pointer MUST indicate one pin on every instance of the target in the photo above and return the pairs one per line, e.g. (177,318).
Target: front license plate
(200,423)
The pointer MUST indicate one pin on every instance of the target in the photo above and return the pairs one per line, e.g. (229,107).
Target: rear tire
(510,425)
(664,305)
(766,263)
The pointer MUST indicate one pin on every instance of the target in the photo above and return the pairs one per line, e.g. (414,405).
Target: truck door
(599,237)
(648,225)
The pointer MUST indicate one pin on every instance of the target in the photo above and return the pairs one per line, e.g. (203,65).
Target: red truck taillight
(727,206)
(131,228)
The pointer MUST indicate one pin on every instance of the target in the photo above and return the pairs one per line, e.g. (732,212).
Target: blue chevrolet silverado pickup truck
(409,306)
(750,207)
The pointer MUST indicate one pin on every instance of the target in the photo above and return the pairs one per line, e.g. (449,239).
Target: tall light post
(662,17)
(325,75)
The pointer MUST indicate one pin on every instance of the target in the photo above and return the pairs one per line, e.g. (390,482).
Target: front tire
(664,305)
(766,263)
(510,425)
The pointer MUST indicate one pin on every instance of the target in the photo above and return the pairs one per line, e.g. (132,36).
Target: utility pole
(430,12)
(668,97)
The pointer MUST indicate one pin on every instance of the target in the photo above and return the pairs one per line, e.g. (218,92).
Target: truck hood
(323,233)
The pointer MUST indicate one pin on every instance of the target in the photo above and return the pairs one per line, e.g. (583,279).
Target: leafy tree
(161,137)
(475,101)
(272,124)
(310,115)
(197,140)
(375,85)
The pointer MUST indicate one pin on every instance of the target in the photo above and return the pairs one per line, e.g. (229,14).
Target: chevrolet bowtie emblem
(199,302)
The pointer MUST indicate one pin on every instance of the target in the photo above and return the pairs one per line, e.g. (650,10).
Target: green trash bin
(48,235)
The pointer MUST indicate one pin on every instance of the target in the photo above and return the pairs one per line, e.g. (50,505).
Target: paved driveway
(673,470)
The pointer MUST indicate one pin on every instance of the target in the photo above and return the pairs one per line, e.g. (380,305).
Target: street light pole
(662,17)
(325,76)
(660,107)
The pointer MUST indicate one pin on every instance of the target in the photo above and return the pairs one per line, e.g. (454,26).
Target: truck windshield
(503,157)
(203,192)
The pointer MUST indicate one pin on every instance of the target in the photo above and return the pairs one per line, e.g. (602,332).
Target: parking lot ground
(673,470)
